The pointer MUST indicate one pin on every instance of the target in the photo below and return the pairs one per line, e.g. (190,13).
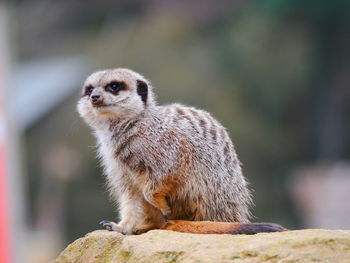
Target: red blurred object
(4,212)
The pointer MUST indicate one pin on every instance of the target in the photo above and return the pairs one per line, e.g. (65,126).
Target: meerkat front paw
(127,228)
(123,227)
(111,226)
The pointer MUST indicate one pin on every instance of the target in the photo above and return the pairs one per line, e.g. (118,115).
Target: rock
(312,245)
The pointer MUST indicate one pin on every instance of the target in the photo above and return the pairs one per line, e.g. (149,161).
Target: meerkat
(167,167)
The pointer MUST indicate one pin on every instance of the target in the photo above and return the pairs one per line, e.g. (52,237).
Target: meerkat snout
(96,99)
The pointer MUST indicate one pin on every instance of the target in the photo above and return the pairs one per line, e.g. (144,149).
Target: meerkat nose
(96,99)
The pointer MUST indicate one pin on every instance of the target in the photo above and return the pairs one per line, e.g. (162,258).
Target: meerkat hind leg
(158,199)
(144,228)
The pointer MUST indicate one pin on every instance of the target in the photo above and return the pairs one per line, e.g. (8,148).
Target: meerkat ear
(142,90)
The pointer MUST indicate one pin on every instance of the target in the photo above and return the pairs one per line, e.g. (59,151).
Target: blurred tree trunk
(334,86)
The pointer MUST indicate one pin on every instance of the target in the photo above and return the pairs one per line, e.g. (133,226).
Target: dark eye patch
(142,90)
(88,90)
(115,86)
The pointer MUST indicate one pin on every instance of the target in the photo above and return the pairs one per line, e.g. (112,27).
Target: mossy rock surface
(312,245)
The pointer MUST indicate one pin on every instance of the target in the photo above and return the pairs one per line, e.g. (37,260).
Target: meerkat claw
(110,226)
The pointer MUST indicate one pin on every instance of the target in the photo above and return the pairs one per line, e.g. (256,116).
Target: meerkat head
(114,94)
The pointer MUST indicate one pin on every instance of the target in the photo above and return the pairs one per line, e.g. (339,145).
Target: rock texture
(313,245)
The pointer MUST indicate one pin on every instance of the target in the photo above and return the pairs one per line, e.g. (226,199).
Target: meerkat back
(211,172)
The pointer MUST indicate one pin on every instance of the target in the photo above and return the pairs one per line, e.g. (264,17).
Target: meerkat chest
(106,152)
(118,175)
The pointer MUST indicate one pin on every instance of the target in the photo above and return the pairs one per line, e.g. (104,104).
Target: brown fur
(209,227)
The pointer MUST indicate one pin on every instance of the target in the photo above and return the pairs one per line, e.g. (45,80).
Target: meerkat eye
(88,90)
(115,86)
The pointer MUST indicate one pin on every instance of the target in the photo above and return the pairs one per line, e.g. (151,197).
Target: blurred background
(275,73)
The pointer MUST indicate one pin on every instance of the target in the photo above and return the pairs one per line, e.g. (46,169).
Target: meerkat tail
(210,227)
